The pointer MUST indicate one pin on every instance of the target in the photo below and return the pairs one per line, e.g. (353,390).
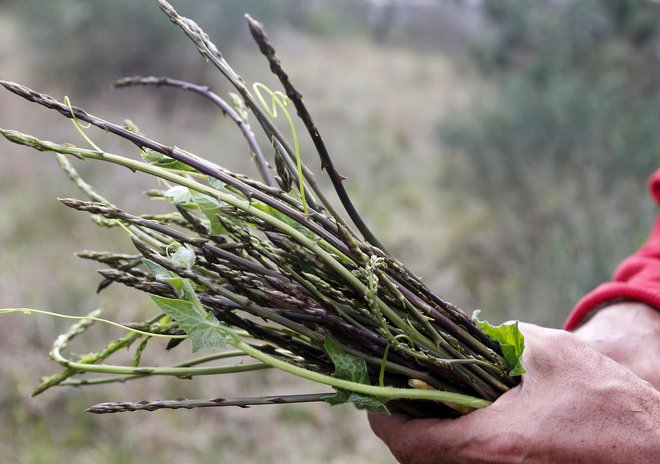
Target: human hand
(628,333)
(573,405)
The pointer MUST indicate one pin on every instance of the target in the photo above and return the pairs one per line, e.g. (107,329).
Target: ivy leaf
(165,275)
(184,256)
(282,217)
(179,195)
(353,369)
(367,402)
(347,367)
(215,183)
(210,207)
(164,161)
(158,271)
(204,330)
(511,340)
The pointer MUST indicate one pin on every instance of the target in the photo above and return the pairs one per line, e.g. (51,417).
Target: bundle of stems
(269,269)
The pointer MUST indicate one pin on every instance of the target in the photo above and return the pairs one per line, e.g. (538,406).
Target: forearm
(625,431)
(628,333)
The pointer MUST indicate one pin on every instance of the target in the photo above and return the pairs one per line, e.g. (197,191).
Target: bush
(558,152)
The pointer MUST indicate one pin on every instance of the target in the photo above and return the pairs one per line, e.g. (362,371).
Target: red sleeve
(637,278)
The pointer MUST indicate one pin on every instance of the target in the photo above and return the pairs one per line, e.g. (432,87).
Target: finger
(425,440)
(551,352)
(531,329)
(407,438)
(387,426)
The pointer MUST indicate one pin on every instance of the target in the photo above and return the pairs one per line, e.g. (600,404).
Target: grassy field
(377,108)
(509,176)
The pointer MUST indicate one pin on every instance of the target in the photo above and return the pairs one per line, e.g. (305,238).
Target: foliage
(511,340)
(92,41)
(559,151)
(283,274)
(51,424)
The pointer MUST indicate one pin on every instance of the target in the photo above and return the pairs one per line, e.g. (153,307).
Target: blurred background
(499,148)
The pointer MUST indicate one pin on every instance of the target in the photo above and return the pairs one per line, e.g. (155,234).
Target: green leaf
(215,183)
(204,330)
(179,195)
(210,207)
(163,274)
(283,217)
(347,367)
(163,161)
(368,403)
(158,271)
(353,369)
(184,256)
(239,105)
(511,340)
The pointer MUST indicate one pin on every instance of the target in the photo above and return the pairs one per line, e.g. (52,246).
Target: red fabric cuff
(637,278)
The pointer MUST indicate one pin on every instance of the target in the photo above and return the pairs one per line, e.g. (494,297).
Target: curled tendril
(279,99)
(79,127)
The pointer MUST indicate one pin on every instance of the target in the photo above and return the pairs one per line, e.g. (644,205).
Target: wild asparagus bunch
(270,269)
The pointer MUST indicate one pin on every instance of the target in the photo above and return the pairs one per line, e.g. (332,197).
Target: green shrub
(558,151)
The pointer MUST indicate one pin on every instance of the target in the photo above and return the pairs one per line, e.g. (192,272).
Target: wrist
(628,333)
(621,319)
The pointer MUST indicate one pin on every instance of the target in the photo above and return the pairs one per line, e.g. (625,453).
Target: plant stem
(241,402)
(210,52)
(204,91)
(387,393)
(311,245)
(245,303)
(267,49)
(182,372)
(126,378)
(175,153)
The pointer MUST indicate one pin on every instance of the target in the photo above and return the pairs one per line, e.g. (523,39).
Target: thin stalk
(323,299)
(62,341)
(114,213)
(126,378)
(267,49)
(241,402)
(245,303)
(183,372)
(387,393)
(73,175)
(111,348)
(281,194)
(91,318)
(411,283)
(395,368)
(435,336)
(227,109)
(175,153)
(277,101)
(292,343)
(476,365)
(311,245)
(210,52)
